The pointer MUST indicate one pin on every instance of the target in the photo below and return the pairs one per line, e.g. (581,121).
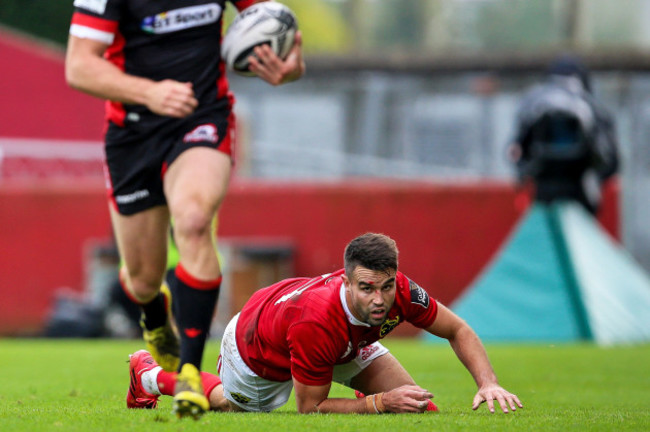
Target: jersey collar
(351,318)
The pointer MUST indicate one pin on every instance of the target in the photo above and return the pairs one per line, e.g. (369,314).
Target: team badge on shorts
(240,398)
(203,133)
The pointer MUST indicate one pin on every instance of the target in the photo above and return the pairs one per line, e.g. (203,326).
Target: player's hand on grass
(405,399)
(494,392)
(171,98)
(268,66)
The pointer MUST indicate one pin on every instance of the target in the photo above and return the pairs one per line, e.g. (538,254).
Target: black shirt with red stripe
(162,39)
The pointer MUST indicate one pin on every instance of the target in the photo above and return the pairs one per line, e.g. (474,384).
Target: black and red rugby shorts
(138,154)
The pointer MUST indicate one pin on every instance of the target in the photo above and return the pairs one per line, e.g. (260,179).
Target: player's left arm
(470,351)
(313,399)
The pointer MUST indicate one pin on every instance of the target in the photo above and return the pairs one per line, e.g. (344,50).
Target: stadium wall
(446,232)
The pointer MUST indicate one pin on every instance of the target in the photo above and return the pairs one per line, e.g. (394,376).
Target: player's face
(371,294)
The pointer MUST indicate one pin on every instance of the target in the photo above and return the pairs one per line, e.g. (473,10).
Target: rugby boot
(189,400)
(162,342)
(137,397)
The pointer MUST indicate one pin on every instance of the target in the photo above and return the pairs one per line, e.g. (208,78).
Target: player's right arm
(87,70)
(470,351)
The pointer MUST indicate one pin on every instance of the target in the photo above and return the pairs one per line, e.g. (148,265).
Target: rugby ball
(269,23)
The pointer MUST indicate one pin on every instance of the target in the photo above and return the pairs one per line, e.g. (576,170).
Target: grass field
(70,385)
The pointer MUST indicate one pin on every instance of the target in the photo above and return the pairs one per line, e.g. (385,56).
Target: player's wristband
(374,403)
(379,403)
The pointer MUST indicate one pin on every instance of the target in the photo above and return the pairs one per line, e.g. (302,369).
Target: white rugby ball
(269,23)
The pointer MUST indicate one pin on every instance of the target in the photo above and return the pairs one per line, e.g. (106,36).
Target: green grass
(70,385)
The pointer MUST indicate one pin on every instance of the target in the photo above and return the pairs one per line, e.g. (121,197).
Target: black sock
(154,312)
(193,310)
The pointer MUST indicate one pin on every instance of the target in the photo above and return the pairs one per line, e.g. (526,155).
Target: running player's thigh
(383,374)
(199,176)
(142,242)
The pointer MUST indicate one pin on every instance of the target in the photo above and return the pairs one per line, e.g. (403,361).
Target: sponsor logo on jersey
(388,326)
(205,132)
(132,197)
(97,6)
(181,19)
(366,352)
(418,295)
(240,398)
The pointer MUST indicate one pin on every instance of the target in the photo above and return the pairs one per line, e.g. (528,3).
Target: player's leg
(148,381)
(141,239)
(195,185)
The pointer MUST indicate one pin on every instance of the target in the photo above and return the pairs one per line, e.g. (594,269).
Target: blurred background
(400,125)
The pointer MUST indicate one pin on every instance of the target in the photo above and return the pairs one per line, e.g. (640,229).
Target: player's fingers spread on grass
(502,403)
(483,397)
(490,404)
(478,400)
(514,401)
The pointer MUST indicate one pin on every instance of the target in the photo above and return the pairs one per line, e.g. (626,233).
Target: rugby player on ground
(305,333)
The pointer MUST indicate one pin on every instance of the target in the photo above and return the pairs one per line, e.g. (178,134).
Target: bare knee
(192,222)
(143,281)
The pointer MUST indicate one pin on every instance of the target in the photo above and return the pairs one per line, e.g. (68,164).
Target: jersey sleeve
(419,309)
(96,19)
(313,353)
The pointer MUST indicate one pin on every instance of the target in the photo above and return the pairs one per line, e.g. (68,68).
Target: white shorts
(244,388)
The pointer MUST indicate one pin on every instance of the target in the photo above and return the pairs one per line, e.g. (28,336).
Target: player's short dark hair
(373,251)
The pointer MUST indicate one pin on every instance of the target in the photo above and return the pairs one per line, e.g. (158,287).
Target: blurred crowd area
(420,27)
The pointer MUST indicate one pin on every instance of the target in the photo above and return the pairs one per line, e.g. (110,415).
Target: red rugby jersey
(299,327)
